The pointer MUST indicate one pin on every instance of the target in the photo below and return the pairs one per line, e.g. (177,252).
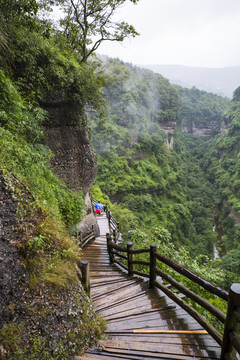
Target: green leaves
(16,115)
(87,24)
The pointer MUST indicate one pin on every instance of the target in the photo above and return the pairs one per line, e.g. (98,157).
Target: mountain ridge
(221,81)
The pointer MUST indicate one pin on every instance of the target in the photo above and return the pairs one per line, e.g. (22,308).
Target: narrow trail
(135,315)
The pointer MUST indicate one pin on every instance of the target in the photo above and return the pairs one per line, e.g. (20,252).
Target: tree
(12,9)
(88,23)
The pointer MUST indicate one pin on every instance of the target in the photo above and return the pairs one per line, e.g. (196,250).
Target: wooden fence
(230,341)
(87,238)
(113,225)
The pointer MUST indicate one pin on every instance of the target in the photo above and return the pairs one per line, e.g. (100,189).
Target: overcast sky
(203,33)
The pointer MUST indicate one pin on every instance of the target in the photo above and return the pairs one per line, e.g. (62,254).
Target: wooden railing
(230,341)
(113,224)
(88,238)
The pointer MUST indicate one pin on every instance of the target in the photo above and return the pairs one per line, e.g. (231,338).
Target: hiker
(98,207)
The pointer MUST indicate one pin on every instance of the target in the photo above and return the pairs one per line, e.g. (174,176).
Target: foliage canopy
(89,23)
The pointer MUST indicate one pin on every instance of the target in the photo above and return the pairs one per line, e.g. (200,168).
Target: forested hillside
(151,163)
(201,112)
(222,167)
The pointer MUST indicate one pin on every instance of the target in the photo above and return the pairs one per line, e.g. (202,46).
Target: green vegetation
(199,108)
(221,164)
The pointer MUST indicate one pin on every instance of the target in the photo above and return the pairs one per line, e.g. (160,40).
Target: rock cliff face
(169,128)
(194,127)
(198,129)
(74,160)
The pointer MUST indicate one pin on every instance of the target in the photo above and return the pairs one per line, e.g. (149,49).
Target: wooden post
(230,323)
(111,256)
(105,208)
(117,232)
(109,219)
(129,256)
(153,250)
(85,267)
(118,227)
(114,236)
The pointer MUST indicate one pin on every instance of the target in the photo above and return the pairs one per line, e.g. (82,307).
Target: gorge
(165,158)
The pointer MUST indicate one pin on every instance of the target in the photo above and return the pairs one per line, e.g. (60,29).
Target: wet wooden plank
(145,355)
(138,315)
(105,281)
(143,306)
(161,312)
(150,315)
(159,348)
(127,290)
(98,291)
(172,353)
(101,286)
(126,287)
(185,339)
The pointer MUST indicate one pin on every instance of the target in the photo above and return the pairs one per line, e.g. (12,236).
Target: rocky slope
(62,320)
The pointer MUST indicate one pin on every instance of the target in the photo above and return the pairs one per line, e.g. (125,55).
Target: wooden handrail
(190,275)
(118,247)
(140,251)
(88,238)
(113,224)
(230,342)
(191,295)
(194,313)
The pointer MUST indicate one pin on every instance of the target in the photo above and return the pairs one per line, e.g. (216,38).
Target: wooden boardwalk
(135,314)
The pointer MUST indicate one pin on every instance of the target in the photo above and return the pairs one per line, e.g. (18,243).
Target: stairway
(142,323)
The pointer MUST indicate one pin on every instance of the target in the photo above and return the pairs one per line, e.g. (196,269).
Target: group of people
(98,207)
